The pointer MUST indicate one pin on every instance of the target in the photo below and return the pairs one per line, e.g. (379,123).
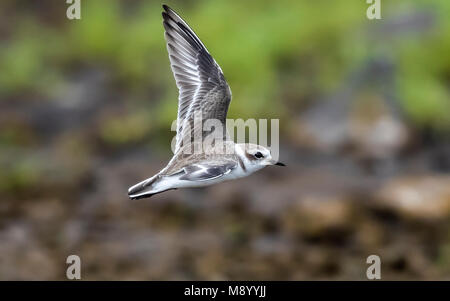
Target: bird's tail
(145,189)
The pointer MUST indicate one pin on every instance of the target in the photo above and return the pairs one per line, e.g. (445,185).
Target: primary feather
(200,81)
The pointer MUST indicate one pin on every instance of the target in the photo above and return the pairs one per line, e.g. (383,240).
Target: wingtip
(166,14)
(169,13)
(135,193)
(138,197)
(132,197)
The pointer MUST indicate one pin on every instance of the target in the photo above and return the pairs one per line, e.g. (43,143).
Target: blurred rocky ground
(368,170)
(64,192)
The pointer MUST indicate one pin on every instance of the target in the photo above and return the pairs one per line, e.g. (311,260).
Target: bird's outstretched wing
(202,87)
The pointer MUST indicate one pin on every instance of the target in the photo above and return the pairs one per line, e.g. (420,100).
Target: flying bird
(202,90)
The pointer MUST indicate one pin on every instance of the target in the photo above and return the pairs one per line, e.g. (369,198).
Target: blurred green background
(85,112)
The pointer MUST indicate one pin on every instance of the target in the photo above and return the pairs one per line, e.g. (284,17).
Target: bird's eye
(259,155)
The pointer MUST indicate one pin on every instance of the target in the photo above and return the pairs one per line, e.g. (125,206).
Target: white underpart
(172,182)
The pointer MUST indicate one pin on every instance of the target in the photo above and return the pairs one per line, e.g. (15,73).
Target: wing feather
(204,172)
(200,81)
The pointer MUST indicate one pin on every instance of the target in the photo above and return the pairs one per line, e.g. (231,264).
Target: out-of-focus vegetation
(258,44)
(86,107)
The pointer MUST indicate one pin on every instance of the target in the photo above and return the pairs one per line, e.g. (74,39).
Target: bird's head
(256,156)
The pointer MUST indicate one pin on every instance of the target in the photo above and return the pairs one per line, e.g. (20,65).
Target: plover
(202,88)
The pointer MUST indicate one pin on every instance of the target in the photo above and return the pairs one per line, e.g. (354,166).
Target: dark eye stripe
(249,157)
